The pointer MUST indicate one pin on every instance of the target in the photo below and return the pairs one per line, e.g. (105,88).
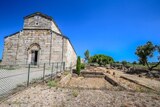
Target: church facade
(40,41)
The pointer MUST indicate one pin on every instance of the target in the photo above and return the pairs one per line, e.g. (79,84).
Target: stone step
(92,73)
(93,76)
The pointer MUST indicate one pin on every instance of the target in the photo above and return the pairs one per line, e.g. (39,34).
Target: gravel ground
(95,83)
(43,96)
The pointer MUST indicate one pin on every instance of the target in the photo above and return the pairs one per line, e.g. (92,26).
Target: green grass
(52,83)
(66,72)
(75,93)
(9,68)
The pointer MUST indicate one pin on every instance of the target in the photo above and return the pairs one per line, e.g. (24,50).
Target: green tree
(145,52)
(124,63)
(117,62)
(101,59)
(134,62)
(87,55)
(78,66)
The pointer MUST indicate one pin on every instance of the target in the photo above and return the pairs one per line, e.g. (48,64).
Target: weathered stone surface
(39,21)
(45,38)
(65,80)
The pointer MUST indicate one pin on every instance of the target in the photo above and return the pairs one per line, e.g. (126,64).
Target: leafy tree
(101,59)
(145,52)
(117,62)
(124,63)
(87,55)
(134,62)
(78,66)
(0,60)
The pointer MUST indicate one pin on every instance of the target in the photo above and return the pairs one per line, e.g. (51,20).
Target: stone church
(40,41)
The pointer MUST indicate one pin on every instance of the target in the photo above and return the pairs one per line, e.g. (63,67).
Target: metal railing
(23,75)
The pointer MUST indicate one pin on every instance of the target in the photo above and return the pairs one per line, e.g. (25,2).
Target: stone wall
(29,37)
(54,27)
(69,54)
(57,46)
(38,22)
(53,48)
(10,49)
(62,50)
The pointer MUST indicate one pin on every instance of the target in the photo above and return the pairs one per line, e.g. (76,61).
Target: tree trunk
(151,68)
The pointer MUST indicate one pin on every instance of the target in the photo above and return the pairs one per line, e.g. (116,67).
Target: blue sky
(111,27)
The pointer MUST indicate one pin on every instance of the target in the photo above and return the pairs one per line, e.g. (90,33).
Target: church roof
(40,14)
(12,34)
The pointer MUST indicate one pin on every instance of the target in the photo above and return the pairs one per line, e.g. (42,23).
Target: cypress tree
(78,66)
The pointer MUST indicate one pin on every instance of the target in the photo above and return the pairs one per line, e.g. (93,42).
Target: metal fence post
(52,70)
(71,67)
(63,66)
(60,67)
(44,71)
(28,75)
(57,66)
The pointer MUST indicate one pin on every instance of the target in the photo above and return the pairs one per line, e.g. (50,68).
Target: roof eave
(40,14)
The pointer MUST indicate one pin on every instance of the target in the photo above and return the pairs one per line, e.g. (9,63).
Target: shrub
(124,63)
(75,93)
(82,66)
(78,66)
(94,64)
(134,62)
(101,59)
(52,83)
(66,72)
